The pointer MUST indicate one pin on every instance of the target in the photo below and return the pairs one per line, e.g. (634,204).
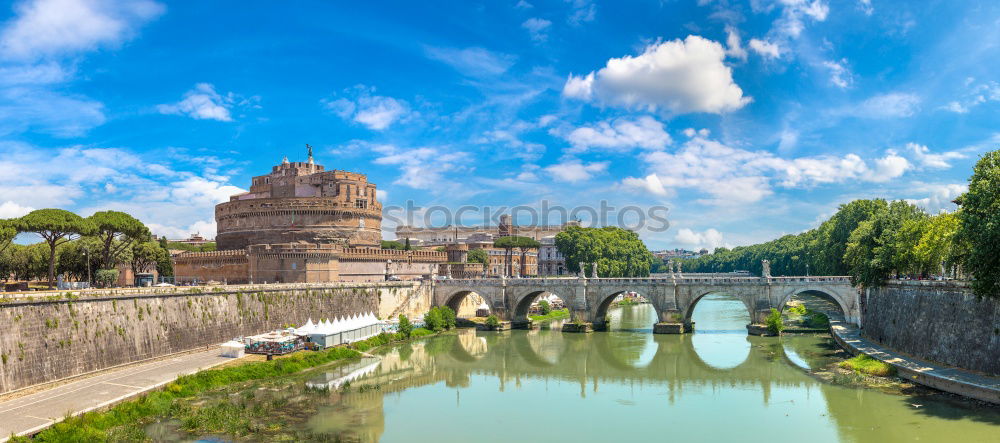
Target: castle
(303,224)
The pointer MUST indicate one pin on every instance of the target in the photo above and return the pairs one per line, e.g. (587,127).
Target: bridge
(674,297)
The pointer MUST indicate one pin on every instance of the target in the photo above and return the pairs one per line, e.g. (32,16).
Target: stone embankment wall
(51,337)
(938,321)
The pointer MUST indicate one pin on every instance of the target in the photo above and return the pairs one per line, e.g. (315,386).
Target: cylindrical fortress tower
(300,201)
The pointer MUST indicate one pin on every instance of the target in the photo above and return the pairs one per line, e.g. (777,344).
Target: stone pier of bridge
(673,298)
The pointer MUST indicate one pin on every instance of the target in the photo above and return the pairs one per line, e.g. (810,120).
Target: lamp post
(86,253)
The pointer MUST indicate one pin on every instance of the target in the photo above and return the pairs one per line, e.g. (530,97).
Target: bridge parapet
(673,296)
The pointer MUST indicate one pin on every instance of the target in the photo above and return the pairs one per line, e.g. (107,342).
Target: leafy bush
(433,320)
(492,322)
(864,364)
(797,309)
(106,277)
(440,318)
(405,327)
(449,316)
(543,307)
(774,322)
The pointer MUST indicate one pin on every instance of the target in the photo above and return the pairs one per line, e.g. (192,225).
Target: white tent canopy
(338,325)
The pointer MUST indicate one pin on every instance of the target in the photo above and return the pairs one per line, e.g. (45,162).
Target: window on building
(360,203)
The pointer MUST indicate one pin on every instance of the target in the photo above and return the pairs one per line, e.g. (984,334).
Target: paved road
(33,412)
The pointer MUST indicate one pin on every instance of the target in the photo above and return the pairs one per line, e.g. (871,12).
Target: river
(626,384)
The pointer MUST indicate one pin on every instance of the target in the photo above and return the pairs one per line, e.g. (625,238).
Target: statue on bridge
(593,270)
(765,268)
(582,274)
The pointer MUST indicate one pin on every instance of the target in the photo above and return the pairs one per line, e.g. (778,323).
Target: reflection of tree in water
(548,345)
(352,416)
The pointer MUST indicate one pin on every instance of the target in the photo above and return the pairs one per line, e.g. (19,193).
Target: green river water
(627,384)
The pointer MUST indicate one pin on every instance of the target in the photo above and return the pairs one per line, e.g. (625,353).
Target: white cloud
(708,239)
(651,184)
(473,62)
(788,140)
(678,76)
(793,11)
(51,27)
(734,48)
(203,103)
(87,180)
(573,171)
(620,134)
(521,4)
(582,11)
(765,48)
(866,6)
(420,168)
(975,96)
(373,111)
(924,158)
(891,105)
(729,176)
(840,75)
(537,28)
(940,197)
(10,209)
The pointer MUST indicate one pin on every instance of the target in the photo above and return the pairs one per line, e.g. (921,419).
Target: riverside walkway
(30,413)
(935,375)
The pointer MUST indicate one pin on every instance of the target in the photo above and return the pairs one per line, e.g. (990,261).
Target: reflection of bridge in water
(674,298)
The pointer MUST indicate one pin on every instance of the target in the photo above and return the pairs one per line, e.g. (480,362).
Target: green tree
(525,244)
(76,258)
(979,224)
(617,252)
(55,226)
(543,307)
(145,256)
(165,266)
(117,232)
(835,233)
(433,320)
(939,249)
(478,256)
(106,278)
(907,239)
(507,244)
(449,316)
(405,327)
(8,230)
(872,250)
(406,246)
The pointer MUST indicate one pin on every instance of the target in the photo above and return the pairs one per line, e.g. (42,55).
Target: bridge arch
(457,297)
(604,300)
(689,309)
(820,292)
(523,301)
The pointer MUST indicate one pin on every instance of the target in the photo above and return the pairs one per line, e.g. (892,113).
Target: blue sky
(746,120)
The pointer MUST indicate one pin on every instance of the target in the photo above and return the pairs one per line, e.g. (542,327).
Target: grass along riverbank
(864,364)
(126,421)
(552,315)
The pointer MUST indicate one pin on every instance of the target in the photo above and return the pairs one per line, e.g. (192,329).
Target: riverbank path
(936,375)
(30,413)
